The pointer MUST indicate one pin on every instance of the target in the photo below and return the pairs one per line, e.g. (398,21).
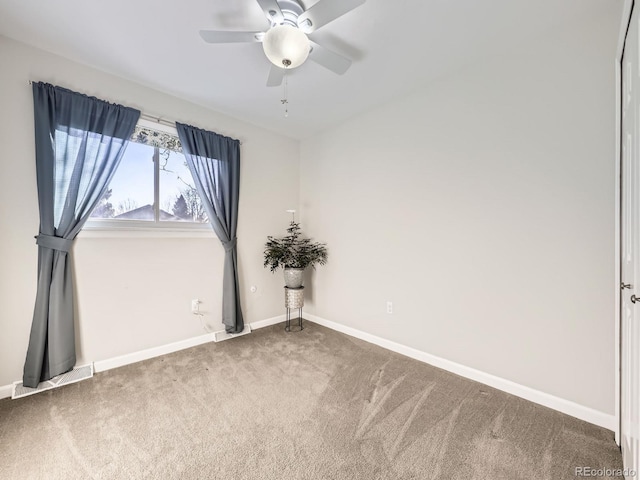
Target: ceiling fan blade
(217,36)
(271,10)
(333,61)
(325,11)
(276,75)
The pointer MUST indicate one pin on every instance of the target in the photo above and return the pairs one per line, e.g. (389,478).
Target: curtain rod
(163,121)
(153,118)
(157,119)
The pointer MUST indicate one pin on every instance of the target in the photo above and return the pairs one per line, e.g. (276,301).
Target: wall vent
(73,376)
(223,335)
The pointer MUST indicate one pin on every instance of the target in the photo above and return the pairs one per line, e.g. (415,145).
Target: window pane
(130,193)
(179,200)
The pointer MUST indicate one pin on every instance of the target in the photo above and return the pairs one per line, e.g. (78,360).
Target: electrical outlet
(195,305)
(389,307)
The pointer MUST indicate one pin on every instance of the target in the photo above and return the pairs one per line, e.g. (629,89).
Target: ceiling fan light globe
(284,43)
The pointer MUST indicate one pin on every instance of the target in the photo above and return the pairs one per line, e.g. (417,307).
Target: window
(152,186)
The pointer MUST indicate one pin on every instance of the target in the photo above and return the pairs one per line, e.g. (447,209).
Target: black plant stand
(293,299)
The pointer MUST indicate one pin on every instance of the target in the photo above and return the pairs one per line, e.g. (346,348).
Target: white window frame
(106,228)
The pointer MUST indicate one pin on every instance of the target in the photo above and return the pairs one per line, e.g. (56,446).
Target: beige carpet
(310,405)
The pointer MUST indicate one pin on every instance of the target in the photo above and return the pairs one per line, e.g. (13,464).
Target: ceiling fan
(286,43)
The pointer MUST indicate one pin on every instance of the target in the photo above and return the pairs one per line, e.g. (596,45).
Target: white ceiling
(396,46)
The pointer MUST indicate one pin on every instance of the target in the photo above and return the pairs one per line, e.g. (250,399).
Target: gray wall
(483,207)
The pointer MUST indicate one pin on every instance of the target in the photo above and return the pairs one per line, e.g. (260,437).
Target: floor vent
(73,376)
(220,336)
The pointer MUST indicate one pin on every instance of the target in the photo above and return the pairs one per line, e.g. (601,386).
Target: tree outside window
(152,184)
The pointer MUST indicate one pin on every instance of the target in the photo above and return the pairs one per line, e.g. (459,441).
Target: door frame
(624,24)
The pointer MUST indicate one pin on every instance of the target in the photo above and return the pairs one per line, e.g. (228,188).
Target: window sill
(145,230)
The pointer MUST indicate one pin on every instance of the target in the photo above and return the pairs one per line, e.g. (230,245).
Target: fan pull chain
(285,100)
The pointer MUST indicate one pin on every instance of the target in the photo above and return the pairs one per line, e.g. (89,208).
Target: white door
(630,250)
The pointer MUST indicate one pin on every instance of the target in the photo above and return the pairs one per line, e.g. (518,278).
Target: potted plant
(293,254)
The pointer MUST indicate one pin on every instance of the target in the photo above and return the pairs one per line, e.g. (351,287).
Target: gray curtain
(214,162)
(79,143)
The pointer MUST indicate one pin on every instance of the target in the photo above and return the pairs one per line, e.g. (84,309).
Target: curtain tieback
(54,243)
(230,245)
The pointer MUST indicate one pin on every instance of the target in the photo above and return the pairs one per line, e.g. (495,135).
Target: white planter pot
(293,277)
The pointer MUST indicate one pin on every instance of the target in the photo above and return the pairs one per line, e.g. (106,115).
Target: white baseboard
(122,360)
(134,357)
(5,391)
(267,322)
(565,406)
(556,403)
